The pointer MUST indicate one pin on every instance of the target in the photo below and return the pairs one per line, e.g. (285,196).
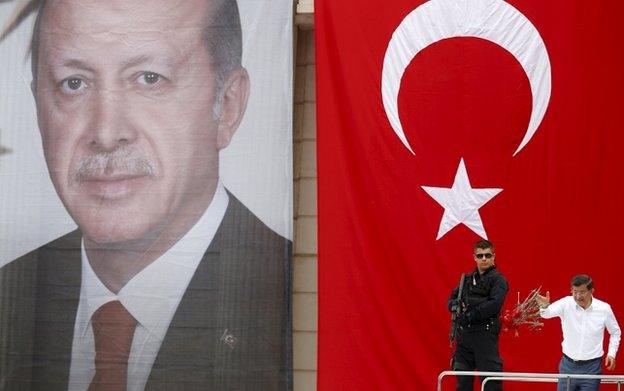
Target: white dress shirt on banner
(152,297)
(583,329)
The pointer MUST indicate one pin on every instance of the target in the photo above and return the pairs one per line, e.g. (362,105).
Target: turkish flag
(445,121)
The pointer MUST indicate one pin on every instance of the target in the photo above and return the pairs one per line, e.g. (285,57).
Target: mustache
(122,161)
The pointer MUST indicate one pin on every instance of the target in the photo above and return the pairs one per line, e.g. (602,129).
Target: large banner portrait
(443,123)
(145,195)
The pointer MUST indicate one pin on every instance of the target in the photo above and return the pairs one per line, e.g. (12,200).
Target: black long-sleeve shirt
(483,295)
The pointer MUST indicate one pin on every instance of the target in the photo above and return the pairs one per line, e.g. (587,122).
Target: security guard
(481,302)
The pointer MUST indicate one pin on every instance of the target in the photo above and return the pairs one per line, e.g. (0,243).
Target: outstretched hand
(544,301)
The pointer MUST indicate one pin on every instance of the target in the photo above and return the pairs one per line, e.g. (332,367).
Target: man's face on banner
(125,97)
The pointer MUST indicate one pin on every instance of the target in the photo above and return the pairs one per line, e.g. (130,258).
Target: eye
(72,85)
(149,78)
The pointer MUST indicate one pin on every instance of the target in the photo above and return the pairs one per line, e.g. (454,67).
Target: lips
(114,187)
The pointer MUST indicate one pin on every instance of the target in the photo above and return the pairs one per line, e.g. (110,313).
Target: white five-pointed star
(461,203)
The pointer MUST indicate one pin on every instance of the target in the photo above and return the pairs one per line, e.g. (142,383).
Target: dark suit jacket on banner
(231,330)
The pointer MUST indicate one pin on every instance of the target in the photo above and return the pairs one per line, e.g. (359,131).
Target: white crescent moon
(493,20)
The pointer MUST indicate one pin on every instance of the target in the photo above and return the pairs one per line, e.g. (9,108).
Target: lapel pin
(229,339)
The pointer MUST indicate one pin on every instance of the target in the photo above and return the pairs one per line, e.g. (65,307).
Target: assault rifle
(456,310)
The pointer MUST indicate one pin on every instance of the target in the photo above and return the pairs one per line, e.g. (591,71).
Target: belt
(486,325)
(580,362)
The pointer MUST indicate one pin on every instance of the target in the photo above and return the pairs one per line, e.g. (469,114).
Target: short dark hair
(582,279)
(483,244)
(222,36)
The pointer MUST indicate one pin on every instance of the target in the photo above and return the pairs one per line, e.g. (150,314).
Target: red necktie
(113,329)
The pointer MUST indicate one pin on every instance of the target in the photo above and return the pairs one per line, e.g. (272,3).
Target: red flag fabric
(444,121)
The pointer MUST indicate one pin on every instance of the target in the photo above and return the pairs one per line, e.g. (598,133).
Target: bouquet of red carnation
(525,314)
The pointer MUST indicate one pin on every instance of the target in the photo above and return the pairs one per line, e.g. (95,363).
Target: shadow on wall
(21,12)
(3,150)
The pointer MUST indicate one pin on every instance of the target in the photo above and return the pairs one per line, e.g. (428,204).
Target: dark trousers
(477,350)
(591,367)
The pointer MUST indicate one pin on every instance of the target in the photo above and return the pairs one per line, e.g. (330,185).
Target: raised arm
(547,309)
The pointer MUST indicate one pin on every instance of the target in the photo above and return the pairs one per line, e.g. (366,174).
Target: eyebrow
(75,63)
(132,61)
(136,60)
(162,60)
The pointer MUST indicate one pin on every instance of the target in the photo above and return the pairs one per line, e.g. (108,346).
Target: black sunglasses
(486,255)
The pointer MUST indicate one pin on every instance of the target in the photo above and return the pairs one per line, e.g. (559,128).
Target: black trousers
(477,350)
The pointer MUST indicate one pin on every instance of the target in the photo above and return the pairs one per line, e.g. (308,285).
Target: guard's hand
(610,363)
(471,316)
(544,301)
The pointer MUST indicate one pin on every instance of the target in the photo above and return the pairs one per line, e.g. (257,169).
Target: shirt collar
(152,296)
(578,307)
(479,275)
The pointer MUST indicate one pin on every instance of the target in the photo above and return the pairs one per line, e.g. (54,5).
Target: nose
(110,127)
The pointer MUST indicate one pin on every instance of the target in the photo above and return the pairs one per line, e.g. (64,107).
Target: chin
(110,232)
(109,237)
(109,224)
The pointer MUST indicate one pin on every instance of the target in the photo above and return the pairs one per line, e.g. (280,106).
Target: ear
(234,102)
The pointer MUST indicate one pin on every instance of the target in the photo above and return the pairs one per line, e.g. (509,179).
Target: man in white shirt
(583,321)
(170,282)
